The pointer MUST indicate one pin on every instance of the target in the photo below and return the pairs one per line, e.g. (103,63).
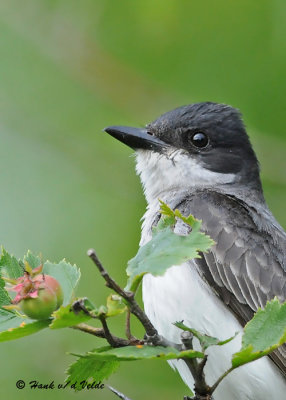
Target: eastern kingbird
(198,158)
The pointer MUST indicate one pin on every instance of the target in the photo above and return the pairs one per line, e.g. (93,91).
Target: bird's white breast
(181,294)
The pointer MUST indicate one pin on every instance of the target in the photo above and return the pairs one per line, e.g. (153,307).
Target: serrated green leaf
(115,305)
(23,330)
(205,340)
(263,334)
(164,250)
(65,317)
(10,266)
(171,216)
(8,319)
(165,209)
(190,220)
(67,274)
(163,223)
(140,352)
(4,296)
(267,327)
(245,356)
(87,367)
(33,260)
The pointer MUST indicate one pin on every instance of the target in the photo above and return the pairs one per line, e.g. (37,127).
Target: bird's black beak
(136,138)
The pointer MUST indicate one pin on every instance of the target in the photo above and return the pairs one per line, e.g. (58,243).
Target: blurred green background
(69,68)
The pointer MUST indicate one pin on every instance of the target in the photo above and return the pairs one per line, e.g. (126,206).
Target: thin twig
(119,394)
(215,385)
(89,329)
(99,332)
(127,296)
(202,390)
(107,333)
(79,305)
(128,329)
(201,365)
(109,281)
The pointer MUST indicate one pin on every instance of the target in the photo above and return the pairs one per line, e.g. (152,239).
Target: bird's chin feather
(172,170)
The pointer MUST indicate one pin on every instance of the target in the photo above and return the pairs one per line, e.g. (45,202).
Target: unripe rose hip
(40,307)
(54,285)
(38,296)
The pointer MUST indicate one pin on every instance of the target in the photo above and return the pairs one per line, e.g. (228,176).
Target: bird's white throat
(174,170)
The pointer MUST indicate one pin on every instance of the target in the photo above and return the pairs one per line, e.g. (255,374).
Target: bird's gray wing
(246,266)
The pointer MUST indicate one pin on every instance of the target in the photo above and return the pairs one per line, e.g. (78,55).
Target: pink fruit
(53,284)
(40,307)
(38,296)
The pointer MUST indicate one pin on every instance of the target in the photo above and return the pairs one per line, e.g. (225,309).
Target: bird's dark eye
(200,140)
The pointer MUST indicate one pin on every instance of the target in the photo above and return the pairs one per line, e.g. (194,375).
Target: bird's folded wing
(246,266)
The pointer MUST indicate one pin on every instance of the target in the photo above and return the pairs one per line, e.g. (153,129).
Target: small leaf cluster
(166,248)
(13,324)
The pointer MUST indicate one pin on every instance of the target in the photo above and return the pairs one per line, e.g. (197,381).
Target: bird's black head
(213,133)
(209,139)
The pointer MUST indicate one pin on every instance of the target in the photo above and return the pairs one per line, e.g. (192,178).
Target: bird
(199,159)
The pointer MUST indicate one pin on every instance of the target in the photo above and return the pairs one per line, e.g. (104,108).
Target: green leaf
(168,217)
(65,316)
(140,352)
(68,276)
(10,266)
(87,304)
(4,296)
(115,305)
(171,215)
(265,332)
(6,316)
(165,209)
(87,367)
(164,223)
(68,316)
(205,340)
(164,250)
(24,329)
(8,319)
(33,260)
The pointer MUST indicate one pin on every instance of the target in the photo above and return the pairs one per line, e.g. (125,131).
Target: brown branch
(202,390)
(89,329)
(127,296)
(99,332)
(201,365)
(109,281)
(128,329)
(108,336)
(152,336)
